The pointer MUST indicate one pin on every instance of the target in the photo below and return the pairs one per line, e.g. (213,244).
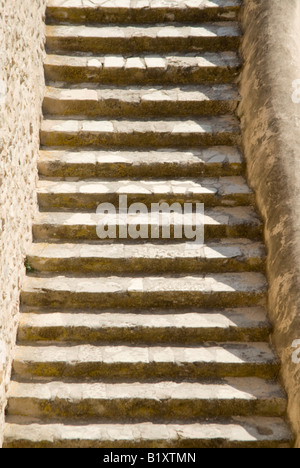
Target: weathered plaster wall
(21,76)
(271,138)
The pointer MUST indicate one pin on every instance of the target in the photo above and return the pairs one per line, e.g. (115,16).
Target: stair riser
(141,171)
(137,140)
(170,265)
(108,15)
(172,75)
(137,45)
(139,335)
(140,410)
(139,300)
(219,443)
(119,108)
(131,372)
(56,233)
(81,201)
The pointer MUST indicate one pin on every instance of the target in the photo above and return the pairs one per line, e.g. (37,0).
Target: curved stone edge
(271,140)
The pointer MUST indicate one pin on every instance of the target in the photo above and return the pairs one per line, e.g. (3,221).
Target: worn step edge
(226,255)
(140,101)
(215,290)
(215,161)
(118,12)
(222,67)
(160,401)
(88,194)
(136,38)
(190,327)
(86,362)
(232,433)
(218,223)
(220,130)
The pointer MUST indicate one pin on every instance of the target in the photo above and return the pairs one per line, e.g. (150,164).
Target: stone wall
(21,88)
(270,114)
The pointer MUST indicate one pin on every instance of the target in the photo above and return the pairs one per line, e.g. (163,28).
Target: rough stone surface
(21,89)
(137,364)
(134,39)
(88,194)
(241,289)
(221,130)
(271,136)
(238,432)
(218,222)
(147,68)
(217,361)
(144,326)
(160,401)
(225,160)
(225,255)
(143,11)
(92,100)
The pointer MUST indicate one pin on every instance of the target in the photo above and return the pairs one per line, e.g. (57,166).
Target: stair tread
(140,4)
(146,61)
(86,164)
(225,248)
(213,216)
(223,129)
(137,38)
(223,353)
(148,69)
(206,284)
(255,317)
(228,389)
(204,125)
(235,430)
(150,11)
(138,94)
(222,186)
(209,290)
(215,161)
(164,31)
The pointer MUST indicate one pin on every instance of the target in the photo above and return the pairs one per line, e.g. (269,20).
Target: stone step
(238,432)
(192,68)
(136,39)
(117,102)
(133,363)
(214,290)
(221,130)
(214,161)
(139,402)
(218,223)
(88,194)
(190,326)
(124,11)
(223,256)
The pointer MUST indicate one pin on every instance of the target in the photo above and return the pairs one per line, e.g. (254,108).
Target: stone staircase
(144,343)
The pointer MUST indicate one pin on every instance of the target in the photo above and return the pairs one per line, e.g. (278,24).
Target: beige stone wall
(21,88)
(270,113)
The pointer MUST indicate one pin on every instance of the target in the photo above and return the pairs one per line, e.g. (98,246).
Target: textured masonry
(271,140)
(21,90)
(145,343)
